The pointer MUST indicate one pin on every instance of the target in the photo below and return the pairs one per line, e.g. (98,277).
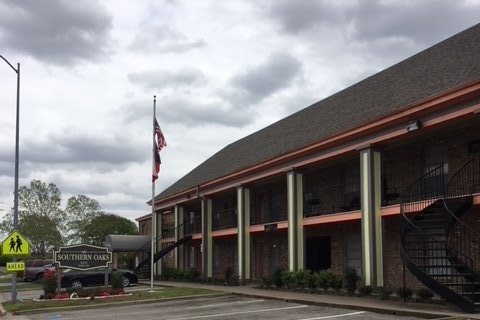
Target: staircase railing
(419,194)
(431,248)
(463,240)
(416,197)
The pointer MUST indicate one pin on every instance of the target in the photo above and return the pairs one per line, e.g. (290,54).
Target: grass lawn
(163,293)
(21,285)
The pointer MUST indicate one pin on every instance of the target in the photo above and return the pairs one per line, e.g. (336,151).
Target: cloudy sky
(220,70)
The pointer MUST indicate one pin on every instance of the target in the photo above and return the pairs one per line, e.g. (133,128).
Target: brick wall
(393,265)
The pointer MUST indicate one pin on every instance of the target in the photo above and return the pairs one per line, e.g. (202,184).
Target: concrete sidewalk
(425,310)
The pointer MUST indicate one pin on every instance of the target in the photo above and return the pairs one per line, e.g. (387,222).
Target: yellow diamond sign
(15,245)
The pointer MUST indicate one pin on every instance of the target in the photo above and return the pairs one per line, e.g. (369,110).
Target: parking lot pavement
(227,306)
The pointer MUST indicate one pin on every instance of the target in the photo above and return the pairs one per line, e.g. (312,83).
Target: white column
(179,251)
(295,221)
(370,192)
(243,238)
(206,238)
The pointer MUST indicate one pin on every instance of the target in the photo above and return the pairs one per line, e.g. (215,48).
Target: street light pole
(15,201)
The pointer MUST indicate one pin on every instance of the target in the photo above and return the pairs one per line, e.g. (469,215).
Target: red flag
(160,143)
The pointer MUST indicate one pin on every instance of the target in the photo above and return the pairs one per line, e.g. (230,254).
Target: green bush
(117,280)
(192,275)
(230,277)
(385,293)
(365,290)
(425,293)
(336,281)
(266,282)
(301,279)
(288,279)
(277,278)
(50,283)
(322,279)
(351,280)
(404,292)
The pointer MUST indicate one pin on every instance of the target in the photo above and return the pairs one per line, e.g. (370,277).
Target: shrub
(117,280)
(322,279)
(192,275)
(231,278)
(336,281)
(301,279)
(404,293)
(385,292)
(49,283)
(365,290)
(277,278)
(351,280)
(311,280)
(266,282)
(425,293)
(288,279)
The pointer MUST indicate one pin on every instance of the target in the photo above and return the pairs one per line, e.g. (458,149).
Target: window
(436,166)
(353,252)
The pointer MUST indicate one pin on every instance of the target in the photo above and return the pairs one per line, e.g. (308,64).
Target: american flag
(160,138)
(157,147)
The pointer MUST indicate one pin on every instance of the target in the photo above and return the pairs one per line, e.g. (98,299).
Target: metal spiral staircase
(437,246)
(144,266)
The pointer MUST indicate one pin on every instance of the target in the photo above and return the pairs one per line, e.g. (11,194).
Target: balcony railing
(193,224)
(331,199)
(270,215)
(168,231)
(224,219)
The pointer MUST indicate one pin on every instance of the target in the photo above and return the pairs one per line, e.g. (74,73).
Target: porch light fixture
(413,125)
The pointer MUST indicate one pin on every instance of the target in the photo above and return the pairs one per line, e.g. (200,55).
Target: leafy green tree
(41,220)
(105,224)
(80,211)
(41,231)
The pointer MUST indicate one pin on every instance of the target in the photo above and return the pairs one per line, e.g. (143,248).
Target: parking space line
(228,303)
(240,312)
(336,316)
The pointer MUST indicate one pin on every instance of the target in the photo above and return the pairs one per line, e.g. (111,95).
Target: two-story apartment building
(381,175)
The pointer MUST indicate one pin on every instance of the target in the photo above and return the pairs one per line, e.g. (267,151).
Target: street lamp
(15,201)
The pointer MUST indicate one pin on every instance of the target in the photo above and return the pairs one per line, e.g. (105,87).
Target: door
(318,253)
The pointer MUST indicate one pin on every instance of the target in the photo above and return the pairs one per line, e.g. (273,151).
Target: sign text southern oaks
(82,257)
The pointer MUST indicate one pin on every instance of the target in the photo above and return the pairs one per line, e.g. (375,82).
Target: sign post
(15,245)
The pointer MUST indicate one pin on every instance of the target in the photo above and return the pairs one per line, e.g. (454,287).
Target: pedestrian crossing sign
(15,245)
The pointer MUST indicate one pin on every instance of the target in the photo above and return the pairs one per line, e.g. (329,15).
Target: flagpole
(154,220)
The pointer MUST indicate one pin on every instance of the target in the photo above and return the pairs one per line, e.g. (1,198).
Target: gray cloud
(163,78)
(161,37)
(259,82)
(296,16)
(192,113)
(375,19)
(101,153)
(59,32)
(407,19)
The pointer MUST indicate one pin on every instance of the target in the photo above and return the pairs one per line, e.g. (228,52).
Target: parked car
(77,278)
(34,269)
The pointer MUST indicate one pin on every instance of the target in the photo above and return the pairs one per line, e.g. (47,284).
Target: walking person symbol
(19,244)
(12,244)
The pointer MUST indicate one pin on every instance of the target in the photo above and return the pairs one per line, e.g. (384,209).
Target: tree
(80,211)
(42,233)
(41,220)
(105,224)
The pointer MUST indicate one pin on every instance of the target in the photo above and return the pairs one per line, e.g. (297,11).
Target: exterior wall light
(413,125)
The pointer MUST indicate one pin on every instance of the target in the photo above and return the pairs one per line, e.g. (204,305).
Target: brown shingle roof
(448,64)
